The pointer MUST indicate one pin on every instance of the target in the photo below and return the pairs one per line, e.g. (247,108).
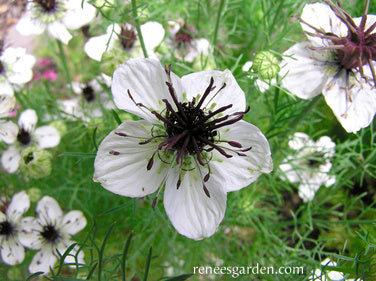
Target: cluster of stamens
(127,37)
(23,136)
(6,228)
(47,5)
(192,130)
(183,37)
(355,50)
(88,93)
(50,233)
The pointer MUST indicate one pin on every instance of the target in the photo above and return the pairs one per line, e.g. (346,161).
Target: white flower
(57,16)
(185,45)
(311,165)
(8,130)
(51,234)
(12,252)
(125,38)
(338,60)
(329,275)
(27,135)
(91,99)
(15,69)
(192,141)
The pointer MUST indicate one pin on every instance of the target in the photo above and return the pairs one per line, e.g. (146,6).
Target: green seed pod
(35,163)
(203,63)
(266,65)
(34,194)
(112,59)
(60,126)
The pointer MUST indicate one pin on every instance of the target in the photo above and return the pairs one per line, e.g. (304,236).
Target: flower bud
(60,126)
(203,63)
(34,194)
(35,163)
(266,65)
(112,59)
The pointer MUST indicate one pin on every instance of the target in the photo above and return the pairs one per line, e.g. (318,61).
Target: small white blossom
(8,130)
(27,135)
(329,275)
(337,61)
(311,165)
(12,251)
(51,234)
(55,16)
(125,38)
(191,141)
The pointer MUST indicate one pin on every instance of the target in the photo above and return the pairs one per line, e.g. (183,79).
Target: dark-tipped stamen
(206,191)
(206,93)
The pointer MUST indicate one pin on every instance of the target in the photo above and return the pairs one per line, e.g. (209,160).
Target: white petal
(6,88)
(71,257)
(28,26)
(354,104)
(10,159)
(77,15)
(46,137)
(42,261)
(12,252)
(305,73)
(239,171)
(300,140)
(191,211)
(196,84)
(59,31)
(73,222)
(49,211)
(8,131)
(97,45)
(126,174)
(146,81)
(18,206)
(29,234)
(289,171)
(7,104)
(307,191)
(321,16)
(27,120)
(21,70)
(198,47)
(152,33)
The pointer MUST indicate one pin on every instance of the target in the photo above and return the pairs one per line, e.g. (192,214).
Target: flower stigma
(50,233)
(190,132)
(23,136)
(355,50)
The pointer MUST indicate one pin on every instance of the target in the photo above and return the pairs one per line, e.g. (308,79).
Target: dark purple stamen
(127,37)
(47,5)
(355,50)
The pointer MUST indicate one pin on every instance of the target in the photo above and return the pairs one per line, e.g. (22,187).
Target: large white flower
(57,16)
(192,141)
(15,69)
(27,135)
(185,45)
(338,61)
(51,234)
(125,38)
(12,252)
(311,165)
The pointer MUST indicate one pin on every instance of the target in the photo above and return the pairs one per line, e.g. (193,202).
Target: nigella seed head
(50,233)
(358,48)
(127,37)
(6,228)
(24,137)
(88,93)
(47,5)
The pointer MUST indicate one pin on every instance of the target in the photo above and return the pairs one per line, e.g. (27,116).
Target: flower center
(127,37)
(6,228)
(24,136)
(315,160)
(88,93)
(50,233)
(358,48)
(47,5)
(2,68)
(183,37)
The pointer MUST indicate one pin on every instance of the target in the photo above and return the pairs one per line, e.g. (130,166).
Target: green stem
(64,61)
(137,22)
(305,112)
(221,4)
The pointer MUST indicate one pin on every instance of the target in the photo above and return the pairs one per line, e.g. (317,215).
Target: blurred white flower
(55,16)
(182,40)
(51,234)
(191,141)
(332,275)
(338,61)
(12,251)
(27,135)
(125,37)
(7,128)
(15,69)
(311,165)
